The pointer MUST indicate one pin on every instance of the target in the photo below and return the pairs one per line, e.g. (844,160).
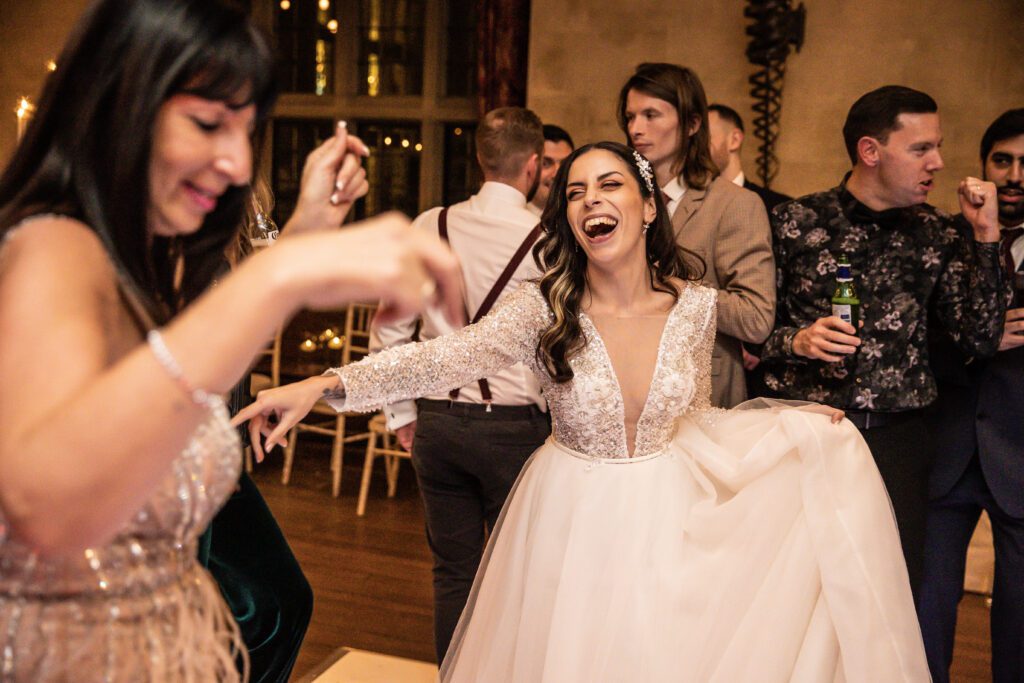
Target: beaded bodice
(587,412)
(200,480)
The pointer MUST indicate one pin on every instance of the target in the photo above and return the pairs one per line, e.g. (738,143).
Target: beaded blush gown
(140,608)
(653,538)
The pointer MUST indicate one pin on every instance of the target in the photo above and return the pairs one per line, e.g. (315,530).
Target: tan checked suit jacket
(727,226)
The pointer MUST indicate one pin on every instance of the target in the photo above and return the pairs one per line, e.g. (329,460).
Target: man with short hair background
(557,146)
(979,465)
(727,135)
(468,449)
(905,256)
(726,131)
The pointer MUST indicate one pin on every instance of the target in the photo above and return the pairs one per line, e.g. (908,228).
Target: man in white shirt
(557,146)
(468,448)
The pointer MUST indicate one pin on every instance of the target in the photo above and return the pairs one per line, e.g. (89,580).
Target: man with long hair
(664,113)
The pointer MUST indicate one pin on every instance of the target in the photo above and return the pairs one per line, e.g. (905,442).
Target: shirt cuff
(779,345)
(400,414)
(338,397)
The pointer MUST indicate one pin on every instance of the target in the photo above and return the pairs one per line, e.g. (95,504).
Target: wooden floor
(371,575)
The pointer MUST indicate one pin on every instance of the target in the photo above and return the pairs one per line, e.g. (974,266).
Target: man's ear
(533,164)
(694,126)
(869,151)
(735,140)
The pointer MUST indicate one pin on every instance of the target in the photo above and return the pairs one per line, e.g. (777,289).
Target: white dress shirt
(484,231)
(674,190)
(740,179)
(535,210)
(1017,250)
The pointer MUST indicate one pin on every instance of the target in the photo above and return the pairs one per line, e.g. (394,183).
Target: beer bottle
(845,303)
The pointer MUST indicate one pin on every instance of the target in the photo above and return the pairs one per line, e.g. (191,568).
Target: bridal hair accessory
(646,173)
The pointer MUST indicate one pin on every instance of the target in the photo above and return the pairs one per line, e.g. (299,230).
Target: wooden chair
(259,381)
(381,442)
(356,343)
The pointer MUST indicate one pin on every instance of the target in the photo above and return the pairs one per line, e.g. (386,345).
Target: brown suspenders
(493,294)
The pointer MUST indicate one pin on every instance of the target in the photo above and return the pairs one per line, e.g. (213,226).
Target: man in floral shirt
(905,255)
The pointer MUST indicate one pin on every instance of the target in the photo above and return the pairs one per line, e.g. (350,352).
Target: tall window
(401,72)
(391,47)
(304,33)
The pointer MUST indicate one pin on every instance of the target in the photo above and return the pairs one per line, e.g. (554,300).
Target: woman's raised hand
(333,178)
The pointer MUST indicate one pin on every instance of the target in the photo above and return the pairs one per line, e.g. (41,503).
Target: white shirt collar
(502,192)
(1017,248)
(675,189)
(740,179)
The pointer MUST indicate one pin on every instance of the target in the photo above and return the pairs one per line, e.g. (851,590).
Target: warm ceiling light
(419,147)
(332,25)
(286,5)
(51,65)
(324,5)
(458,131)
(387,140)
(405,143)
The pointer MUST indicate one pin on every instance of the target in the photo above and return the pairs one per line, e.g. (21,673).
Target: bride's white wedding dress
(742,545)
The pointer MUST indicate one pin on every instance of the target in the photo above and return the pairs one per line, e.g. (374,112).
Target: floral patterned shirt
(904,261)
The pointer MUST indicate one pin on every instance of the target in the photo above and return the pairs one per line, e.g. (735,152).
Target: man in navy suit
(979,421)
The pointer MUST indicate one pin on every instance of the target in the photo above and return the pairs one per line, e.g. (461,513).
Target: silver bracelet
(167,361)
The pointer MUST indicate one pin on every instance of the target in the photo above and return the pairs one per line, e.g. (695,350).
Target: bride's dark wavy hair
(86,152)
(565,264)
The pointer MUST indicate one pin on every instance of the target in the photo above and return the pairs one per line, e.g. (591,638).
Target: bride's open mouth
(599,226)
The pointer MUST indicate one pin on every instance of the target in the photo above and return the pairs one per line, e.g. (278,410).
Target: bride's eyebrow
(580,183)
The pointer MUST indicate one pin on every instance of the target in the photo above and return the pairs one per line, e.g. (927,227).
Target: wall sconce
(24,112)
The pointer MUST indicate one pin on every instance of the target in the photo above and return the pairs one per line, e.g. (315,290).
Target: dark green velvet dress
(260,579)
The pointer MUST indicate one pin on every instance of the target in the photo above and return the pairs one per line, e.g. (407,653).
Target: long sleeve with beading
(506,336)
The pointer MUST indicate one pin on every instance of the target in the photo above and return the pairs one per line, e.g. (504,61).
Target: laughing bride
(652,538)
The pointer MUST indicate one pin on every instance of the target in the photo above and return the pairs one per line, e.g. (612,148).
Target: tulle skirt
(759,546)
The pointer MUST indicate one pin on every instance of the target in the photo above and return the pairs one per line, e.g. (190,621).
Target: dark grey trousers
(466,461)
(903,452)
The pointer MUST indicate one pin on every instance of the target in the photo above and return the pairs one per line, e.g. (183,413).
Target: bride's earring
(647,226)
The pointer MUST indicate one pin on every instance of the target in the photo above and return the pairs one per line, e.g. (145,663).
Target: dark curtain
(503,34)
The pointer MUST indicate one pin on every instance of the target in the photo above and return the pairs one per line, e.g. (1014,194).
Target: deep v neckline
(658,365)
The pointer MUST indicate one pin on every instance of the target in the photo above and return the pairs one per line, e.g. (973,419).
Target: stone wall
(965,53)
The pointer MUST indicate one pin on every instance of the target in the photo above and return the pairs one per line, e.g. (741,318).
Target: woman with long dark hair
(652,538)
(115,212)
